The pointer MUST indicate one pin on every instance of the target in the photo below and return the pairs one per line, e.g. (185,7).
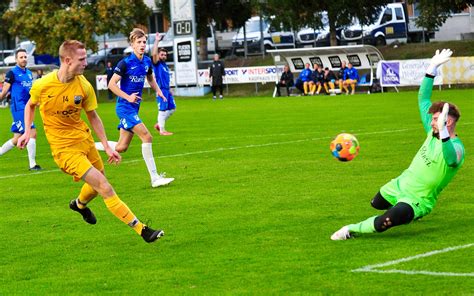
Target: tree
(3,28)
(50,22)
(207,11)
(433,14)
(300,13)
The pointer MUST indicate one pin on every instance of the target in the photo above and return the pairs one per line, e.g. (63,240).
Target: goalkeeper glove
(442,121)
(437,60)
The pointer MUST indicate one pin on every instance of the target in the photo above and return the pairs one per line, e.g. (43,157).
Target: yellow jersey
(60,106)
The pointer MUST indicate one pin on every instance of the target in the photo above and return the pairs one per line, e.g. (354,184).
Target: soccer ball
(344,147)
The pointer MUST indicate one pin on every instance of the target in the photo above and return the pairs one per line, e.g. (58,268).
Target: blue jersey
(162,75)
(133,73)
(305,75)
(21,81)
(351,73)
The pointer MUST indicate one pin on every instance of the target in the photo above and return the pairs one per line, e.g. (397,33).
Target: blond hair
(136,34)
(69,47)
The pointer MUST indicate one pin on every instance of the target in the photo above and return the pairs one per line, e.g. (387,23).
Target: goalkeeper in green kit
(414,193)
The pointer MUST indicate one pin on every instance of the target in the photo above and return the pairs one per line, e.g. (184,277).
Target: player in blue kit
(19,81)
(166,104)
(131,72)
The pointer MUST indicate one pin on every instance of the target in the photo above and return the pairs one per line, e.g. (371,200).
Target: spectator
(318,80)
(302,83)
(313,80)
(109,71)
(216,73)
(351,77)
(39,73)
(329,80)
(340,76)
(286,80)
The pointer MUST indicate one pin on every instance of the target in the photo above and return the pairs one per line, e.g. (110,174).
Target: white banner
(405,72)
(260,74)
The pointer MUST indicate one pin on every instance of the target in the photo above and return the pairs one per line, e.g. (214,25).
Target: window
(298,63)
(373,59)
(387,16)
(335,61)
(399,14)
(354,60)
(316,60)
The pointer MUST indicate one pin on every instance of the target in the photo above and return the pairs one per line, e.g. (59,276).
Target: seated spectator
(329,80)
(318,80)
(302,83)
(286,80)
(340,76)
(351,77)
(312,82)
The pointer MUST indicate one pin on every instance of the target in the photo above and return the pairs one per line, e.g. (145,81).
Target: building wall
(457,27)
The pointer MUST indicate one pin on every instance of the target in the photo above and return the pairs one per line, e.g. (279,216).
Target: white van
(272,38)
(392,25)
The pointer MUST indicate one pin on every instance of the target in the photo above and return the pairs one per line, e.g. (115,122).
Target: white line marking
(373,268)
(223,149)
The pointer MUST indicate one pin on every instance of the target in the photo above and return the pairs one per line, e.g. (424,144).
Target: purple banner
(390,73)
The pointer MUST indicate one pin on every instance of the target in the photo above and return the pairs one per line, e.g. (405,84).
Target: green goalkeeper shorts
(394,194)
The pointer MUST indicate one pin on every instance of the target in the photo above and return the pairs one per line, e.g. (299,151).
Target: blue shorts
(128,121)
(169,104)
(18,124)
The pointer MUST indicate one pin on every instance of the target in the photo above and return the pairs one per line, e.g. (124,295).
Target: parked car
(272,38)
(99,59)
(5,53)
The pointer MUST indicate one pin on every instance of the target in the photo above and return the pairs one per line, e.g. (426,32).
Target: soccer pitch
(256,197)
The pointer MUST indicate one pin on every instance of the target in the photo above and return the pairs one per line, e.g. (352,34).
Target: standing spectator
(351,77)
(20,79)
(216,73)
(329,80)
(109,71)
(340,76)
(303,80)
(166,104)
(286,80)
(39,73)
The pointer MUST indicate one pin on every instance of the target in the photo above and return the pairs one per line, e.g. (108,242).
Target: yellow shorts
(76,160)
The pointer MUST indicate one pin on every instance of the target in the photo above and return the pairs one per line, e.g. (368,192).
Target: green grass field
(256,197)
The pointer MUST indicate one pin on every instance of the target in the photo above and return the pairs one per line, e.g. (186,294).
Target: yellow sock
(326,88)
(353,87)
(86,195)
(121,211)
(305,87)
(313,88)
(319,89)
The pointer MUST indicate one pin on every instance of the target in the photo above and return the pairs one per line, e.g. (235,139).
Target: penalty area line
(373,268)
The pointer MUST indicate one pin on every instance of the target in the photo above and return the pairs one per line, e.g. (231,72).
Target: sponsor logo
(137,79)
(67,113)
(391,73)
(77,99)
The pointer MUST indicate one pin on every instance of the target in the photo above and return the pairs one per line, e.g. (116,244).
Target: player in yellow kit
(61,96)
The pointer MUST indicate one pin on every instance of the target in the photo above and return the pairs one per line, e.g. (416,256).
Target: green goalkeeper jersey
(433,166)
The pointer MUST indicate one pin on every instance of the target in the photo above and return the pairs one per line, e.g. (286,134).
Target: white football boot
(341,234)
(161,181)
